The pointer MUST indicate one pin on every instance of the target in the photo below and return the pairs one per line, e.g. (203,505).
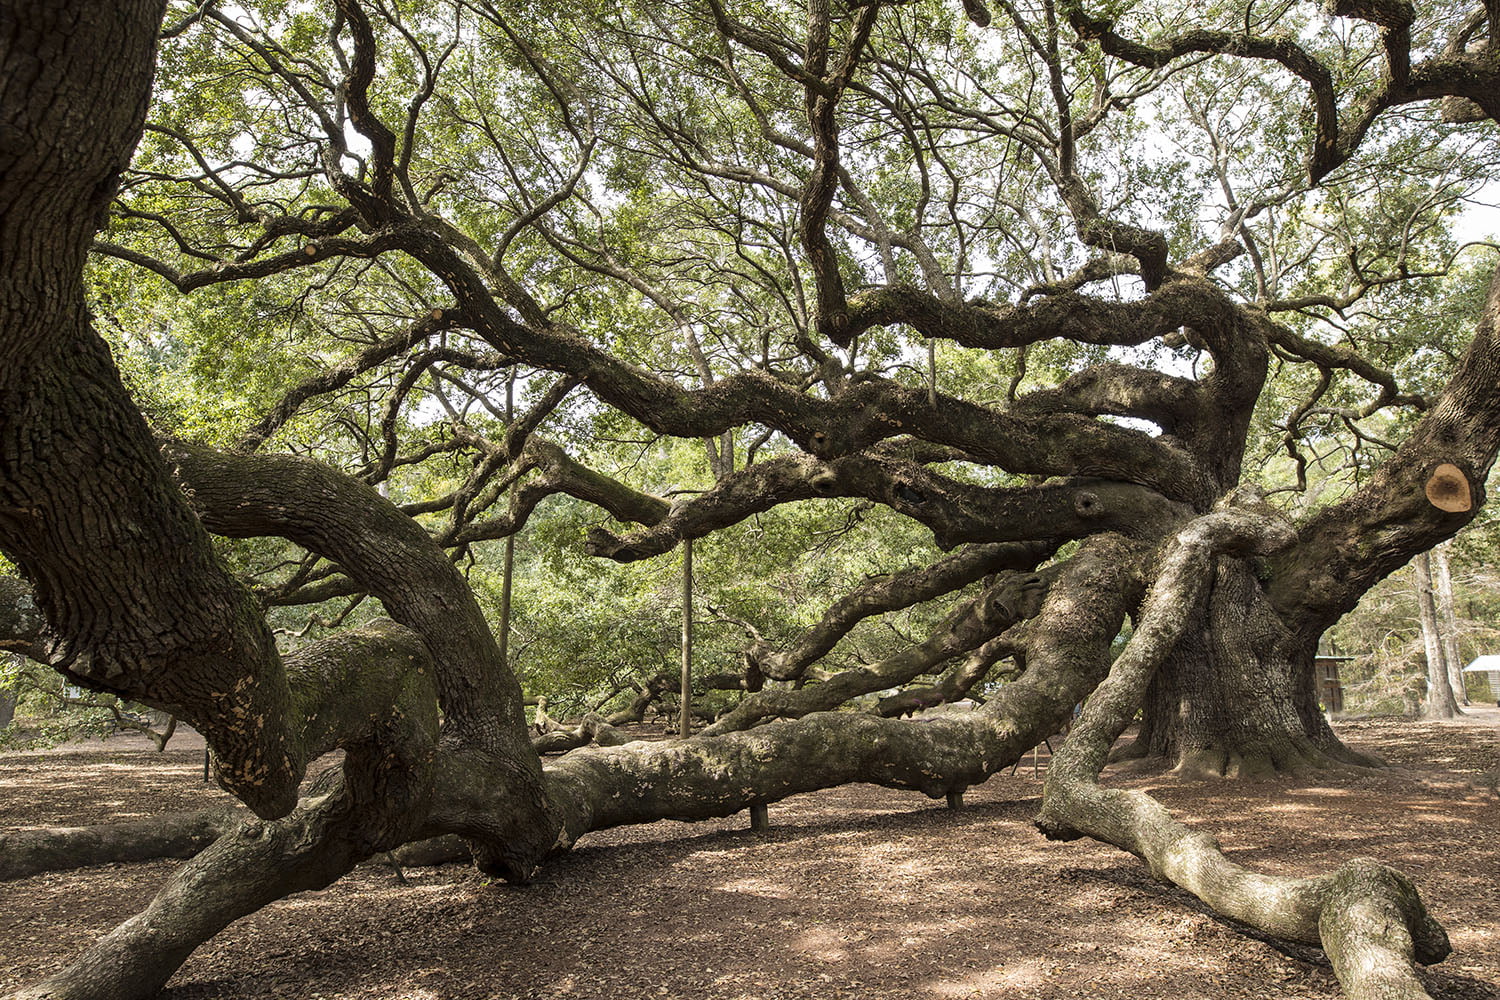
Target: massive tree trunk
(1368,918)
(138,603)
(1240,693)
(1237,696)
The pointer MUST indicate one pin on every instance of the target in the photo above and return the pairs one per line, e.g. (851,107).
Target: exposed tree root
(1294,757)
(1367,917)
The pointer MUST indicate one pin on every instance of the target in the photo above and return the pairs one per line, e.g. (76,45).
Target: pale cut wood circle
(1448,489)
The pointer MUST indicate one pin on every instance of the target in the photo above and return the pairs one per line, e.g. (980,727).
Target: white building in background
(1489,666)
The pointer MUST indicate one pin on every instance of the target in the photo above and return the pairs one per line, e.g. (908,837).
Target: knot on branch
(978,13)
(606,544)
(764,660)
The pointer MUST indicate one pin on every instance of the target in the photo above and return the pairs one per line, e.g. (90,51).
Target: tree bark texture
(136,600)
(1236,696)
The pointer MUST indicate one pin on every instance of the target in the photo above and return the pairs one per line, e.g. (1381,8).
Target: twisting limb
(371,692)
(959,679)
(1366,916)
(1013,597)
(1327,356)
(1120,390)
(892,593)
(956,512)
(599,787)
(356,93)
(822,96)
(343,373)
(1345,547)
(1470,76)
(87,509)
(560,473)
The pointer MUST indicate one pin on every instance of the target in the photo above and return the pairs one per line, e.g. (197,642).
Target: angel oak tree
(812,281)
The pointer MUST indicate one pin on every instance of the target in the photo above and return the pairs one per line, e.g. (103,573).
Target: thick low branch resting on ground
(371,692)
(592,729)
(1367,917)
(595,788)
(498,792)
(55,849)
(382,798)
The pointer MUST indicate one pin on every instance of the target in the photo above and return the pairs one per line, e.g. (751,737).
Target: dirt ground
(854,892)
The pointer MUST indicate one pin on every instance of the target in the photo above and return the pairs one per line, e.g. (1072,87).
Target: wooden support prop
(955,800)
(1448,489)
(760,819)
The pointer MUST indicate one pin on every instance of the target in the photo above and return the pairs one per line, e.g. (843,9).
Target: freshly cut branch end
(1448,489)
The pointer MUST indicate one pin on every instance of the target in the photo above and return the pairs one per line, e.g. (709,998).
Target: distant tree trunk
(1442,586)
(507,575)
(1439,703)
(685,726)
(7,706)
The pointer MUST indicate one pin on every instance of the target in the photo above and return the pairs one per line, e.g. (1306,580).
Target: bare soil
(854,892)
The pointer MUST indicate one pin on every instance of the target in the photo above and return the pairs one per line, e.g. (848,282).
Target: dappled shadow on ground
(854,892)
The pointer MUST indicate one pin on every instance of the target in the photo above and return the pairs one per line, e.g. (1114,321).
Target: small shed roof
(1489,663)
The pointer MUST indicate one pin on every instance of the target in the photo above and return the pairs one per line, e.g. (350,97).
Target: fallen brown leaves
(854,892)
